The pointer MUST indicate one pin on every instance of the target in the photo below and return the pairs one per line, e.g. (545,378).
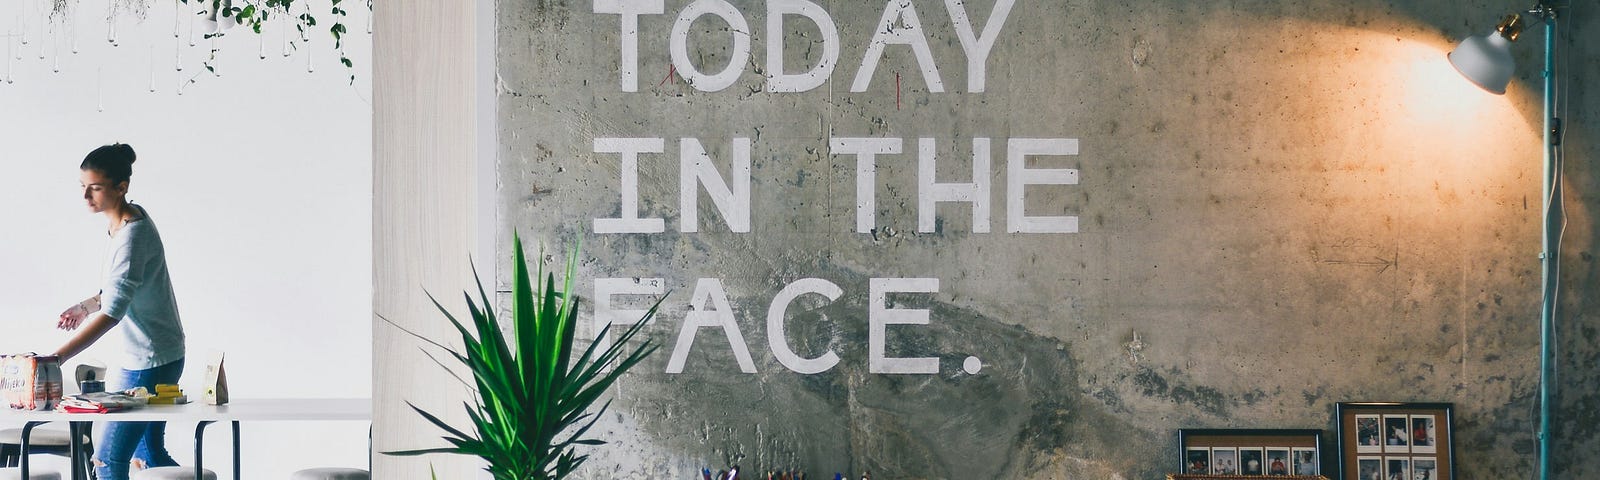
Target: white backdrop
(259,180)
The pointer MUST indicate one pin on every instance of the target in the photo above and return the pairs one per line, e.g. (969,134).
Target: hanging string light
(69,19)
(283,35)
(55,49)
(9,80)
(111,25)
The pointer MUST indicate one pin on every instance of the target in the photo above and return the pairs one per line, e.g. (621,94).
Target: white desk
(238,410)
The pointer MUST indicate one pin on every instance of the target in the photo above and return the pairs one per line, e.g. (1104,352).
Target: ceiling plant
(211,19)
(533,391)
(254,13)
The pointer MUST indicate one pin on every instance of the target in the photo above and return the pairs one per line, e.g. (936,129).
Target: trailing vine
(255,13)
(211,19)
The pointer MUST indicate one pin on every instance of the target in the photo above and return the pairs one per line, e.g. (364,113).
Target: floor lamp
(1486,61)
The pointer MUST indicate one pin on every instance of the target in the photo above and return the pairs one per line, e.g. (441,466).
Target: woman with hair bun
(137,299)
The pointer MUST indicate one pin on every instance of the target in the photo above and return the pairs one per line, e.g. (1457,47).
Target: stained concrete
(1282,206)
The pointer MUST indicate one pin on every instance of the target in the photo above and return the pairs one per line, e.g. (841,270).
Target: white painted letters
(629,10)
(866,150)
(630,148)
(978,46)
(698,318)
(679,45)
(930,193)
(1018,176)
(880,316)
(605,314)
(696,169)
(778,341)
(899,26)
(777,81)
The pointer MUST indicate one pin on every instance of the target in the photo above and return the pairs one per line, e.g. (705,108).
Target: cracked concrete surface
(1291,204)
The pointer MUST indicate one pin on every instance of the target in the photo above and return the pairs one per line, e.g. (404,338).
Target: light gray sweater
(138,293)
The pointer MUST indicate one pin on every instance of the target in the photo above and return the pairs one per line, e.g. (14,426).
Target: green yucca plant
(533,394)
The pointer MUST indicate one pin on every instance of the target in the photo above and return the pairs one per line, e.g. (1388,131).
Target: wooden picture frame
(1408,441)
(1253,453)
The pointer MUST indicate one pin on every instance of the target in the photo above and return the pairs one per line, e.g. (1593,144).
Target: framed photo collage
(1396,441)
(1376,441)
(1244,452)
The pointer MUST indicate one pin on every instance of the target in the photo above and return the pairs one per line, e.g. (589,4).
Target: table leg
(27,429)
(199,441)
(235,450)
(75,452)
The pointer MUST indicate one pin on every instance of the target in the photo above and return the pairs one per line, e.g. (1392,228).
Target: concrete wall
(1280,206)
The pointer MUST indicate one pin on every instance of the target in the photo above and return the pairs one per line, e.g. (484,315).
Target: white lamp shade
(1486,60)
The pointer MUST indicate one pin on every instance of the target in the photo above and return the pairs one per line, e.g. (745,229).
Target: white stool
(172,473)
(33,474)
(331,474)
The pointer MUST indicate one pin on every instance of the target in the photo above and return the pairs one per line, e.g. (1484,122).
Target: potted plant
(533,394)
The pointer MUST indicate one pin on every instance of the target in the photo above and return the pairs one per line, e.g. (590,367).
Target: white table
(238,410)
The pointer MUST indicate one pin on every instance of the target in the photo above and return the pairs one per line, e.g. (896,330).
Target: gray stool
(47,441)
(33,474)
(171,473)
(331,474)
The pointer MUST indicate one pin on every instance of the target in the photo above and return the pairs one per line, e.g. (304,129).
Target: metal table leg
(27,429)
(235,450)
(76,431)
(199,442)
(75,452)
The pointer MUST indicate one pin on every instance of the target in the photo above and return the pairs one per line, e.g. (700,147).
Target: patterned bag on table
(30,382)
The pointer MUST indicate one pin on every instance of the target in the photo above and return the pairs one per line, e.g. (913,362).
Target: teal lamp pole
(1486,61)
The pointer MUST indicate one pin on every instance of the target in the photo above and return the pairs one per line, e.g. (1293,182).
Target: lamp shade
(1486,60)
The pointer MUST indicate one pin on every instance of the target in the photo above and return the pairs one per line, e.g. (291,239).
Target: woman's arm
(97,327)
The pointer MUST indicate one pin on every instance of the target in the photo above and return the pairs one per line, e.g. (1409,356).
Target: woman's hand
(74,315)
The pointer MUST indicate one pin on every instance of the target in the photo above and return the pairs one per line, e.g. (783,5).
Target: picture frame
(1390,440)
(1205,453)
(1180,476)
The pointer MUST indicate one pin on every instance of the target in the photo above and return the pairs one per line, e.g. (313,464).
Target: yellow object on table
(168,394)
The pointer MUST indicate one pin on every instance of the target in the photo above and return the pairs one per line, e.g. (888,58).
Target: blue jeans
(147,441)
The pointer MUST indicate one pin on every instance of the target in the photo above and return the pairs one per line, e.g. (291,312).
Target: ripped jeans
(146,441)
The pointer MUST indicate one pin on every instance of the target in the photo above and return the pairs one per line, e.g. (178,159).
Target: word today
(899,25)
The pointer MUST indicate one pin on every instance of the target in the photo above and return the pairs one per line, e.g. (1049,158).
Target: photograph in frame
(1278,462)
(1424,468)
(1197,461)
(1306,461)
(1397,468)
(1369,434)
(1224,461)
(1396,434)
(1369,468)
(1252,461)
(1423,434)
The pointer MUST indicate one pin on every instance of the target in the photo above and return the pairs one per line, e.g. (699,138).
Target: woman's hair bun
(127,150)
(115,161)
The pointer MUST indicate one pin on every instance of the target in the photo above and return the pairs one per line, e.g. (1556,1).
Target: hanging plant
(255,13)
(210,19)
